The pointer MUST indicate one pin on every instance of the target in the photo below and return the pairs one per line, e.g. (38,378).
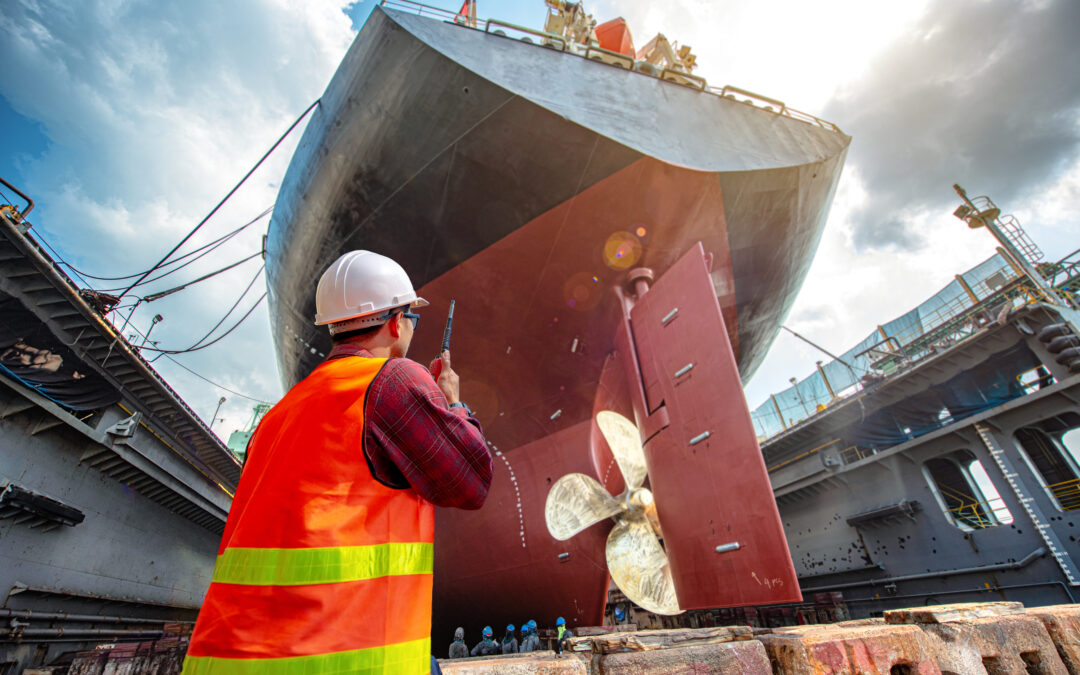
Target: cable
(199,343)
(198,375)
(60,259)
(222,202)
(210,245)
(235,304)
(215,340)
(219,386)
(157,296)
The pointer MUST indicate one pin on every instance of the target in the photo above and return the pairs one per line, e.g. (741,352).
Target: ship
(572,196)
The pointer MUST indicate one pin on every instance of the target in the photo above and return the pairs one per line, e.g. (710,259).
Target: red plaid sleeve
(413,438)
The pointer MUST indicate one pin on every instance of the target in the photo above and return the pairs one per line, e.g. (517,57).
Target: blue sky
(127,120)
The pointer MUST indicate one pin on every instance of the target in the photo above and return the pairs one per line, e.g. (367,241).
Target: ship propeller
(635,555)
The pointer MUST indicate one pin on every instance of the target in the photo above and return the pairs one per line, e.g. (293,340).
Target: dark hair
(338,338)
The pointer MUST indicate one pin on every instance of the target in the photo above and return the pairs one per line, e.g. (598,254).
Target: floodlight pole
(1010,248)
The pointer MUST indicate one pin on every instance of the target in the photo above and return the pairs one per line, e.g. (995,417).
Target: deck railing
(1067,494)
(594,53)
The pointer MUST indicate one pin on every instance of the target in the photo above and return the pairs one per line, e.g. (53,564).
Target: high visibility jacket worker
(326,561)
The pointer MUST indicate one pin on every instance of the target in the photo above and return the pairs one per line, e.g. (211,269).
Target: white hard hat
(358,288)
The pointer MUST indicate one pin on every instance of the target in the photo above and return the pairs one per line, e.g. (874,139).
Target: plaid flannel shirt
(412,438)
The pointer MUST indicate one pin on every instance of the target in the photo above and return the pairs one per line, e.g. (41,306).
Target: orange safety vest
(321,569)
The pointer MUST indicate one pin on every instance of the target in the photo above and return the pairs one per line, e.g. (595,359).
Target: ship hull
(524,183)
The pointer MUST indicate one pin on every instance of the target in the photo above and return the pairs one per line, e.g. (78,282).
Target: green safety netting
(803,398)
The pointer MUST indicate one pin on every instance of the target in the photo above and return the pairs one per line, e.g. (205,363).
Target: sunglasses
(415,318)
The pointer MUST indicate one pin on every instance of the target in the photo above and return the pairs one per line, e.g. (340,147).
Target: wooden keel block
(649,640)
(532,663)
(1062,622)
(957,612)
(744,657)
(996,645)
(851,650)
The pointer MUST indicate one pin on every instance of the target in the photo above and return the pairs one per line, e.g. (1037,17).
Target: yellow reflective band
(296,566)
(404,658)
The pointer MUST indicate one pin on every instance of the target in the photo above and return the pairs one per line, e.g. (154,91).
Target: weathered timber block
(850,623)
(745,657)
(957,612)
(645,640)
(1063,624)
(588,631)
(531,663)
(850,650)
(996,645)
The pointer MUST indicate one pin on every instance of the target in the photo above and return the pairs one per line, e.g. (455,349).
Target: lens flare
(622,250)
(581,292)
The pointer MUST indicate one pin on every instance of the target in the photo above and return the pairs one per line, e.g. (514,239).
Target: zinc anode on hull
(495,172)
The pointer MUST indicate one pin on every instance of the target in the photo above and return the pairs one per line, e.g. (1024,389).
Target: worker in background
(487,645)
(562,634)
(458,650)
(524,634)
(509,642)
(531,643)
(333,521)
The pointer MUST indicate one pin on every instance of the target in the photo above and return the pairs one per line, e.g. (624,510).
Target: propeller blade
(575,502)
(639,566)
(625,442)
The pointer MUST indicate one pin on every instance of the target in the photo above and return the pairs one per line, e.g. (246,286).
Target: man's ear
(394,323)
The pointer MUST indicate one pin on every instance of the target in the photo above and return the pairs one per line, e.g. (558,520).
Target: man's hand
(445,377)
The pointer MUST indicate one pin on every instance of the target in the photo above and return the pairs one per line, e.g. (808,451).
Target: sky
(128,120)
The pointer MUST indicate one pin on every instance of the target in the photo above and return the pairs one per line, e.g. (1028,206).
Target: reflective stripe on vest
(407,658)
(322,569)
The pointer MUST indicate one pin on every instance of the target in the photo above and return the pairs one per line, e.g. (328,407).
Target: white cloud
(796,51)
(153,111)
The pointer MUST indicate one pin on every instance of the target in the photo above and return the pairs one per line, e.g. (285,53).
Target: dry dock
(964,639)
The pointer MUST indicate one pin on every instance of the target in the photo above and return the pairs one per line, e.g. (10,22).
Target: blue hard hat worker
(487,645)
(563,634)
(530,642)
(509,642)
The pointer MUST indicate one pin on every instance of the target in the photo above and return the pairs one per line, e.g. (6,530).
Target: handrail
(780,105)
(805,454)
(1067,494)
(666,74)
(29,202)
(702,84)
(617,55)
(419,8)
(531,31)
(782,108)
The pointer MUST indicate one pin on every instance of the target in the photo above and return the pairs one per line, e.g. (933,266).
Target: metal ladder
(1013,231)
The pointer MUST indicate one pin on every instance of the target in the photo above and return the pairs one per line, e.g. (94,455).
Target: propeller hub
(639,500)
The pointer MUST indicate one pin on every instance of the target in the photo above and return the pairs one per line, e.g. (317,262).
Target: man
(326,561)
(509,642)
(531,643)
(487,645)
(458,649)
(563,634)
